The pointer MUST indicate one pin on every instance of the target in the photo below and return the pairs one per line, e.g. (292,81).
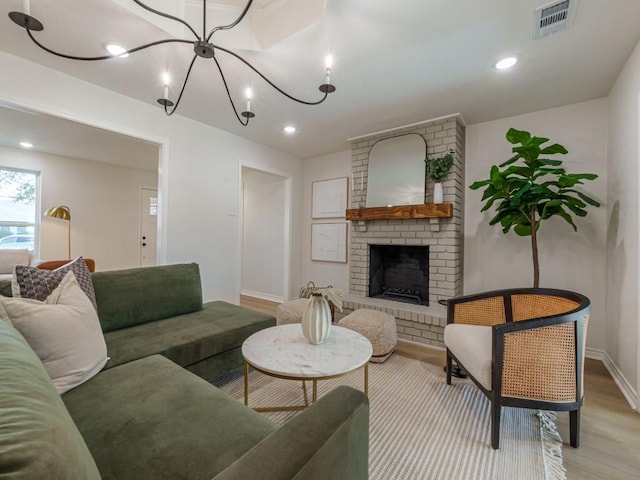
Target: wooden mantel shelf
(424,210)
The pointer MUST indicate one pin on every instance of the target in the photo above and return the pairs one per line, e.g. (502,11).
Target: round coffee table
(283,352)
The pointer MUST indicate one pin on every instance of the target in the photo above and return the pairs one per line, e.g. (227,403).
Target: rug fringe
(552,446)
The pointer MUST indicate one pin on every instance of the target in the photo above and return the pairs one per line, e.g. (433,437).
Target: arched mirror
(396,173)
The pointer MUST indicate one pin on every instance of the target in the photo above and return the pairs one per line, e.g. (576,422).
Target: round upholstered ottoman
(291,311)
(378,327)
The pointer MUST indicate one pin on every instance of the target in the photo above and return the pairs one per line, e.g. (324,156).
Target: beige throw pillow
(9,258)
(64,331)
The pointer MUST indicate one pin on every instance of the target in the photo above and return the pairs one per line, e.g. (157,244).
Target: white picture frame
(329,242)
(329,198)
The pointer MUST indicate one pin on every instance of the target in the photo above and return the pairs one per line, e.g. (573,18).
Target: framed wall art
(329,242)
(329,198)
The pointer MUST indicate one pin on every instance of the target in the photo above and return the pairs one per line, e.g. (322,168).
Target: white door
(148,226)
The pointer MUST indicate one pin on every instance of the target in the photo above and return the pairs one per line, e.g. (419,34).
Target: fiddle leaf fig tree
(529,188)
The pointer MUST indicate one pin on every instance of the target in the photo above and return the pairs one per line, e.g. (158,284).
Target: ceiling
(58,136)
(395,62)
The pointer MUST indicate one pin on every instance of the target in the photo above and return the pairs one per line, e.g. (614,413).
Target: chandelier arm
(166,15)
(103,57)
(324,97)
(231,25)
(184,84)
(226,87)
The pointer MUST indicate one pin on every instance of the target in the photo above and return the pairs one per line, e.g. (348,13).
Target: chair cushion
(471,345)
(139,295)
(189,338)
(151,419)
(38,438)
(63,330)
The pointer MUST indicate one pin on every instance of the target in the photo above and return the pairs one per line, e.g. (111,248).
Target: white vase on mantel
(316,319)
(438,195)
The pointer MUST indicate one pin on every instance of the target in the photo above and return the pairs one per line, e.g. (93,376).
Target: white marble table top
(284,351)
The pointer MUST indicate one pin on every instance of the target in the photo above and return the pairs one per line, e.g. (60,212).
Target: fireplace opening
(399,273)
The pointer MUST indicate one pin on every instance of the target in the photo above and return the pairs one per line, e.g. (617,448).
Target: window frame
(37,219)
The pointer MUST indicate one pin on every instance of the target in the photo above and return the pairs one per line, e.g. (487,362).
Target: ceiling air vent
(553,17)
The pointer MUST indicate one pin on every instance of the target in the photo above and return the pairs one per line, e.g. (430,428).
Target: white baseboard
(623,384)
(262,296)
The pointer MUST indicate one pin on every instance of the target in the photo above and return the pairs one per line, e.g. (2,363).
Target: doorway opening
(266,233)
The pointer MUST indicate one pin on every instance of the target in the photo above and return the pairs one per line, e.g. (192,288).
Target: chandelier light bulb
(166,78)
(289,129)
(117,50)
(506,63)
(328,61)
(249,94)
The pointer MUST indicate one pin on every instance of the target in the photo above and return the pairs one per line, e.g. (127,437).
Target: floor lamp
(62,213)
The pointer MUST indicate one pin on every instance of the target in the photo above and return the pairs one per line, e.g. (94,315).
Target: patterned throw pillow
(31,282)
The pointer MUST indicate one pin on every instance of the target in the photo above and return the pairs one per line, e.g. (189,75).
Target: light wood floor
(610,431)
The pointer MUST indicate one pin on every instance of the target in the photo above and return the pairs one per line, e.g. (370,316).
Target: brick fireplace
(422,321)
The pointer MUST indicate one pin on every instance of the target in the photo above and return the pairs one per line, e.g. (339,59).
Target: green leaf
(583,176)
(517,136)
(566,181)
(577,210)
(537,140)
(479,184)
(568,218)
(553,149)
(588,199)
(522,230)
(548,161)
(510,161)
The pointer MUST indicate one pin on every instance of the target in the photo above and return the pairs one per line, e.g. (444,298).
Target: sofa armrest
(330,439)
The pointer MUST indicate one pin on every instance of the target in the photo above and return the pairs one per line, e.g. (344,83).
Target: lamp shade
(61,212)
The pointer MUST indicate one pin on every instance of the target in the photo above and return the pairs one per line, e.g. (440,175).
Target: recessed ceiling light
(289,129)
(506,63)
(117,50)
(26,145)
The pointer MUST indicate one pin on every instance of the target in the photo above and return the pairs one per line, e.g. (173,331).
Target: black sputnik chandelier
(203,47)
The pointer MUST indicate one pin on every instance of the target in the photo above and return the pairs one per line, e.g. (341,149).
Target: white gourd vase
(316,319)
(438,195)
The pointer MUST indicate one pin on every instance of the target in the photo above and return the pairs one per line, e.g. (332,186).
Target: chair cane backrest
(540,363)
(486,311)
(529,306)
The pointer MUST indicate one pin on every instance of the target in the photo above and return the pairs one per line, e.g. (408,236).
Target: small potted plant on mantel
(437,170)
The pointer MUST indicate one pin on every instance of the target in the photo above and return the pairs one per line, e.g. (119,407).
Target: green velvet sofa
(147,416)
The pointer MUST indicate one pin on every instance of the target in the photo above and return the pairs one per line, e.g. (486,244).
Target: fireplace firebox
(399,273)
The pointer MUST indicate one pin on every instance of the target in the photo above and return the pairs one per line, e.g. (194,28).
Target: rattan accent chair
(522,348)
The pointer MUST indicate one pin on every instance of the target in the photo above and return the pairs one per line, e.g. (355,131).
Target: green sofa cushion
(140,295)
(187,339)
(38,439)
(151,419)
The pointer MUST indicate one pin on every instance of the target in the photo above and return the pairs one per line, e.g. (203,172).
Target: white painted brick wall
(443,235)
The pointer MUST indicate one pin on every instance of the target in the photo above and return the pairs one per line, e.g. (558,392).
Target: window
(18,208)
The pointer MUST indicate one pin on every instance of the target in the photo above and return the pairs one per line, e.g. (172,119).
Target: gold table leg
(246,384)
(304,391)
(366,379)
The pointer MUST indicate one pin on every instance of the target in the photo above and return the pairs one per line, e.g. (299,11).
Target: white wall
(199,175)
(622,340)
(104,202)
(323,168)
(568,260)
(263,235)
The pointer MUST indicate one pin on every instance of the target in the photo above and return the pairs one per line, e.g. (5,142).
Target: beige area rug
(421,428)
